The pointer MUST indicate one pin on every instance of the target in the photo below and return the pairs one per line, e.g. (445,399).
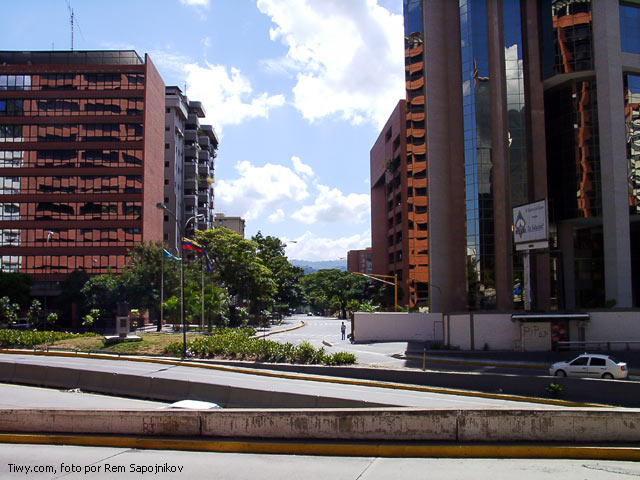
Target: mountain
(311,266)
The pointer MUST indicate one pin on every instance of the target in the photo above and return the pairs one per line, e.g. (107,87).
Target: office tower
(190,152)
(81,151)
(524,100)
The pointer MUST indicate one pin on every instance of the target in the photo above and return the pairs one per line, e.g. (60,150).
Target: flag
(206,258)
(191,245)
(167,254)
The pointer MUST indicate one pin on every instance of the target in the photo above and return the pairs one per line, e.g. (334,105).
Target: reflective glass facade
(476,94)
(630,27)
(416,161)
(71,163)
(517,128)
(567,40)
(573,151)
(632,124)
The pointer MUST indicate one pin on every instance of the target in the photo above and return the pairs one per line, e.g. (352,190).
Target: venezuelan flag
(191,245)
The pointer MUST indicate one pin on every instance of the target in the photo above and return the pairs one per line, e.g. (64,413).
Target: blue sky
(296,89)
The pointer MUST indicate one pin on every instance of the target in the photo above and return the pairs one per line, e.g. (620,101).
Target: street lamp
(162,206)
(378,278)
(47,270)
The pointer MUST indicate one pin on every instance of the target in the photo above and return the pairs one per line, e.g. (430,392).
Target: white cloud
(302,168)
(276,217)
(331,206)
(259,189)
(348,56)
(227,95)
(311,247)
(196,3)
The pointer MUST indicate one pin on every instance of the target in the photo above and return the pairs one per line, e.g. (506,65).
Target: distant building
(232,223)
(189,165)
(81,152)
(359,261)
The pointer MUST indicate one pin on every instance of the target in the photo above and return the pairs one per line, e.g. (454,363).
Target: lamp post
(47,270)
(183,228)
(378,278)
(162,206)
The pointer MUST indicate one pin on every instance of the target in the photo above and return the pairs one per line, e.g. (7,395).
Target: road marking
(337,449)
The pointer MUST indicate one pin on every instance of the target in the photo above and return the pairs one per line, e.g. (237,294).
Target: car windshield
(614,360)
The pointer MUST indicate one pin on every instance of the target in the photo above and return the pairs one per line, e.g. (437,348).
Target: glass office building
(527,100)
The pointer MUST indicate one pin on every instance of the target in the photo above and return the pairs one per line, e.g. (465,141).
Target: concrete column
(613,156)
(565,242)
(500,158)
(445,154)
(536,143)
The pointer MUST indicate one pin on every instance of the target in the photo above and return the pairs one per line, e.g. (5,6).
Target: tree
(287,277)
(237,268)
(16,286)
(142,277)
(34,312)
(102,292)
(71,294)
(337,290)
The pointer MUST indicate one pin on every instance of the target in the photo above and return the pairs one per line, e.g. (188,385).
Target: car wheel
(608,376)
(561,373)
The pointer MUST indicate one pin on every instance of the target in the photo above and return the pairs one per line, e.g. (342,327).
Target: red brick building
(81,160)
(360,261)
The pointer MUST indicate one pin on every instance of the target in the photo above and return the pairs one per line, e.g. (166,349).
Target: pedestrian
(343,329)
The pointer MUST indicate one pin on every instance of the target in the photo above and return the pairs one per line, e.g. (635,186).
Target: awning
(549,317)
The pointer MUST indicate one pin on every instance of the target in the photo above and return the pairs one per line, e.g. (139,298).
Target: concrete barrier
(575,426)
(29,374)
(131,385)
(537,426)
(7,371)
(96,381)
(61,377)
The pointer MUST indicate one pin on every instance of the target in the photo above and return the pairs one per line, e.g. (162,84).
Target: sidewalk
(536,360)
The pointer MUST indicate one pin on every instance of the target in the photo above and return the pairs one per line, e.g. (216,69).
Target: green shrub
(340,358)
(30,338)
(554,389)
(241,344)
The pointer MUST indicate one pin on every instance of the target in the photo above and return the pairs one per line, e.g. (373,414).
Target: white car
(590,365)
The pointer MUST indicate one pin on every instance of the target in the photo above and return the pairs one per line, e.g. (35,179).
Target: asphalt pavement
(325,332)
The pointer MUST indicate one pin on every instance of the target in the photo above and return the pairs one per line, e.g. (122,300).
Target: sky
(297,91)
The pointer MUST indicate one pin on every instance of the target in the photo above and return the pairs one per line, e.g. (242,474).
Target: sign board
(531,226)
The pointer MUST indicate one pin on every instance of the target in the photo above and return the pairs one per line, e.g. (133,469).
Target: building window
(630,28)
(166,146)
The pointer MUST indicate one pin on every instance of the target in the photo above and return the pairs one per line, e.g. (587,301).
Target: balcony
(191,136)
(189,169)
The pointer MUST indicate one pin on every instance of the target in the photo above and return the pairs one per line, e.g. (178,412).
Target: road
(69,462)
(20,396)
(325,332)
(255,381)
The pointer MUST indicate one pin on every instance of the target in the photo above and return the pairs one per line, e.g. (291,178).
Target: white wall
(396,327)
(613,327)
(497,331)
(459,331)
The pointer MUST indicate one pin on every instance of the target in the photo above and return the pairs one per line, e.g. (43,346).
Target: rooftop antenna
(71,21)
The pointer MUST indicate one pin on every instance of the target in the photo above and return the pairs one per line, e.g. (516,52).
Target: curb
(275,332)
(336,448)
(333,380)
